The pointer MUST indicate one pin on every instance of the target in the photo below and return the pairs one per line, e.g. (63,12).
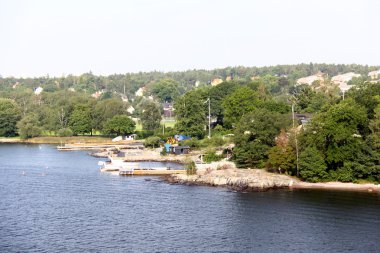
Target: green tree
(339,135)
(119,125)
(9,115)
(29,126)
(166,90)
(337,132)
(240,102)
(255,135)
(190,114)
(282,156)
(312,165)
(152,142)
(80,120)
(107,109)
(216,95)
(151,116)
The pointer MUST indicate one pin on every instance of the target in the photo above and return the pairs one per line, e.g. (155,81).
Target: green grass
(168,122)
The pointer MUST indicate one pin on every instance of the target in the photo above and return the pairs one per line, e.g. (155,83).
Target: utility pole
(295,132)
(209,117)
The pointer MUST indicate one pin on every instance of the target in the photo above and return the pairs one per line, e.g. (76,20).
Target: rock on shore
(236,179)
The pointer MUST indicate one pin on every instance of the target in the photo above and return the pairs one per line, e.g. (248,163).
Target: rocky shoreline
(253,180)
(243,180)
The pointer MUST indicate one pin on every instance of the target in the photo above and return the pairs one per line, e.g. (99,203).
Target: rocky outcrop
(237,179)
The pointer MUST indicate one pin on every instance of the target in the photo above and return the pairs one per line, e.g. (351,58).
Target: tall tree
(242,101)
(80,119)
(282,156)
(166,90)
(190,114)
(119,125)
(151,116)
(255,135)
(9,115)
(29,126)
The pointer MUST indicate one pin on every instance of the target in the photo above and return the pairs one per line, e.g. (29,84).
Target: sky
(61,37)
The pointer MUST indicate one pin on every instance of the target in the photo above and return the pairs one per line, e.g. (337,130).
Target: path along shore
(225,174)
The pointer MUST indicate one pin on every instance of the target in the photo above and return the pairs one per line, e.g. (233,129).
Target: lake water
(59,202)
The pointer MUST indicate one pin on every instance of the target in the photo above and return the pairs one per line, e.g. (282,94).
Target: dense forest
(338,138)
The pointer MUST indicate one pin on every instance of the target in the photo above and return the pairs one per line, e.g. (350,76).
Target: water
(59,202)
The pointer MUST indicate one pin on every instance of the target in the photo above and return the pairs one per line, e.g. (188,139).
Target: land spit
(244,180)
(248,180)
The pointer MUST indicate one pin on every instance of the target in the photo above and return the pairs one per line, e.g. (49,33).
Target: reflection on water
(59,202)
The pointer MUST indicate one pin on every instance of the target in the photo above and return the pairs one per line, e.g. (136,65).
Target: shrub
(152,142)
(191,168)
(212,157)
(192,143)
(65,132)
(164,152)
(144,134)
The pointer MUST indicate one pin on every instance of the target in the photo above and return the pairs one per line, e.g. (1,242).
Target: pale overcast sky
(56,37)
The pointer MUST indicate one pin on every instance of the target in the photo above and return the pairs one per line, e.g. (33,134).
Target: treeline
(129,83)
(340,142)
(66,113)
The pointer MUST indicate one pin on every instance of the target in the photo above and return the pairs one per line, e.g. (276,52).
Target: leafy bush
(164,152)
(119,125)
(191,168)
(144,134)
(215,141)
(65,132)
(192,143)
(212,157)
(28,127)
(152,142)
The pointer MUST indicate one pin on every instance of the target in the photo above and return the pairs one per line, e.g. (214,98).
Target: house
(15,85)
(304,118)
(374,74)
(216,81)
(97,94)
(130,137)
(130,109)
(168,110)
(38,90)
(179,150)
(309,80)
(124,98)
(342,80)
(140,92)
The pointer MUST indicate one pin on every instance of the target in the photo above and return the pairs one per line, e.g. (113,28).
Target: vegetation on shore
(340,141)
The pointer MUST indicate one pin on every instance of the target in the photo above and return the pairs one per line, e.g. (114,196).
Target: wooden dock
(150,172)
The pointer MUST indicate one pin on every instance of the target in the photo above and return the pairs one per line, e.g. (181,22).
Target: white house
(342,80)
(140,92)
(38,90)
(130,109)
(374,74)
(310,79)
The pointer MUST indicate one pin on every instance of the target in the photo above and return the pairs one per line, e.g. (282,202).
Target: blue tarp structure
(167,147)
(181,137)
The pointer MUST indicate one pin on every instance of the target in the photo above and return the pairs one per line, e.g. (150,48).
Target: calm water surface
(59,202)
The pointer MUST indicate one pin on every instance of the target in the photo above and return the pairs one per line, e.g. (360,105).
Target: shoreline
(338,186)
(58,140)
(254,180)
(242,180)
